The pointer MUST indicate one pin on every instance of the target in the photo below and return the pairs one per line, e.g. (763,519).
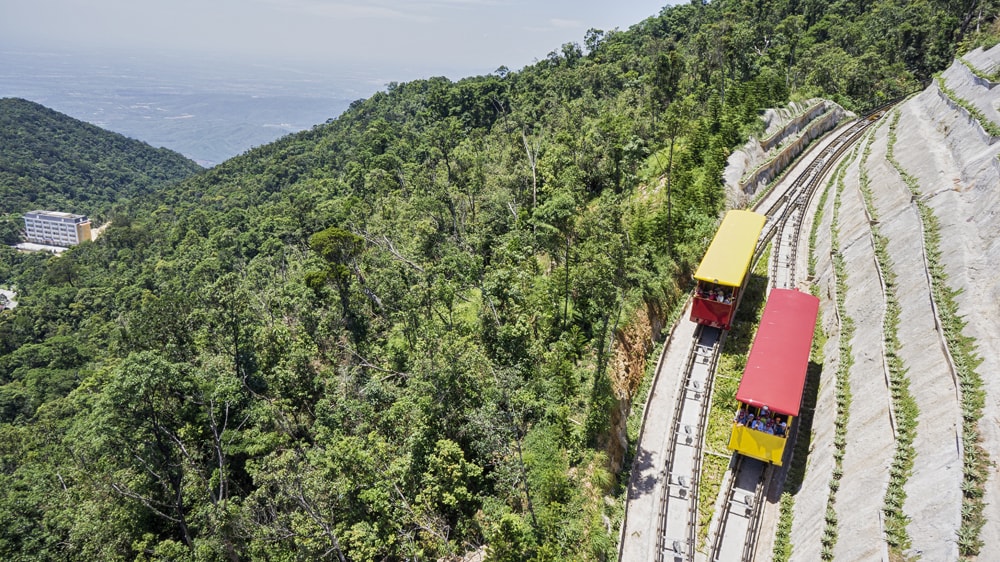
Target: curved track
(735,532)
(736,527)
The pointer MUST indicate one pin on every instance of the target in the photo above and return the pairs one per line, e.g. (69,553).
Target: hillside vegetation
(51,161)
(390,337)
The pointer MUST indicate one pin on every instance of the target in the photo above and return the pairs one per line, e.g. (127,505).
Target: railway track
(735,537)
(785,216)
(678,510)
(737,525)
(744,501)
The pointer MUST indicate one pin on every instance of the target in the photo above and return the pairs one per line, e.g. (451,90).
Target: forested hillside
(392,336)
(51,161)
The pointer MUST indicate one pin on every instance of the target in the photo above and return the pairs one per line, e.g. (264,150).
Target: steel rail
(753,527)
(785,214)
(730,486)
(686,484)
(793,202)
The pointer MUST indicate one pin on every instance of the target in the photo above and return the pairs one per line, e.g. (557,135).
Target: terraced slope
(924,237)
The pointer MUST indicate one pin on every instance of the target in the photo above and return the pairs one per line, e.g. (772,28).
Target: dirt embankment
(629,356)
(97,232)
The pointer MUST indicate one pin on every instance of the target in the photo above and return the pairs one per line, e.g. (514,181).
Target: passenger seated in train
(762,419)
(741,415)
(715,292)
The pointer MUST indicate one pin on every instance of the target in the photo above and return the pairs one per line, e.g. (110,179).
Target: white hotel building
(56,229)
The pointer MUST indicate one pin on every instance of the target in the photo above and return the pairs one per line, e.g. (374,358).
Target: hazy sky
(476,36)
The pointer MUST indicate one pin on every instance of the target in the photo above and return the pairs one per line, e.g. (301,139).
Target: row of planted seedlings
(991,76)
(782,551)
(964,356)
(903,403)
(843,386)
(733,359)
(989,126)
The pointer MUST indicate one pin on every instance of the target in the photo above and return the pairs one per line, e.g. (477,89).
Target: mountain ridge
(52,161)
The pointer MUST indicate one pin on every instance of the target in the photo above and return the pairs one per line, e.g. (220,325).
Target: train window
(763,420)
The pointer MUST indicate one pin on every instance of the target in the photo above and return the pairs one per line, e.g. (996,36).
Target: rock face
(938,142)
(632,345)
(788,132)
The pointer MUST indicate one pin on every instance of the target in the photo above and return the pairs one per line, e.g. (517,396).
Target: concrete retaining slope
(934,496)
(959,179)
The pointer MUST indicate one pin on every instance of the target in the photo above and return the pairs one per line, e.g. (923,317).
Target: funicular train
(722,275)
(770,391)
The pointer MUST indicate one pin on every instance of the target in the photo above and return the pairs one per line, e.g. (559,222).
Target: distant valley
(208,112)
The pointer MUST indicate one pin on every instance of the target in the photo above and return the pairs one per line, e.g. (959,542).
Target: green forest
(51,161)
(414,331)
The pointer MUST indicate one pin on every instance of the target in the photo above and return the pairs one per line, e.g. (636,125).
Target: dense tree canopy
(388,337)
(51,161)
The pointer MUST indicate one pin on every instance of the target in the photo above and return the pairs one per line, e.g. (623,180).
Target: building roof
(776,368)
(728,256)
(54,214)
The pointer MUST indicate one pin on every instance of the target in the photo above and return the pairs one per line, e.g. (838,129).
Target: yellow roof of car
(728,256)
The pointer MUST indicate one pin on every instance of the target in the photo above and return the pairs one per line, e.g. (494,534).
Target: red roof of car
(776,368)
